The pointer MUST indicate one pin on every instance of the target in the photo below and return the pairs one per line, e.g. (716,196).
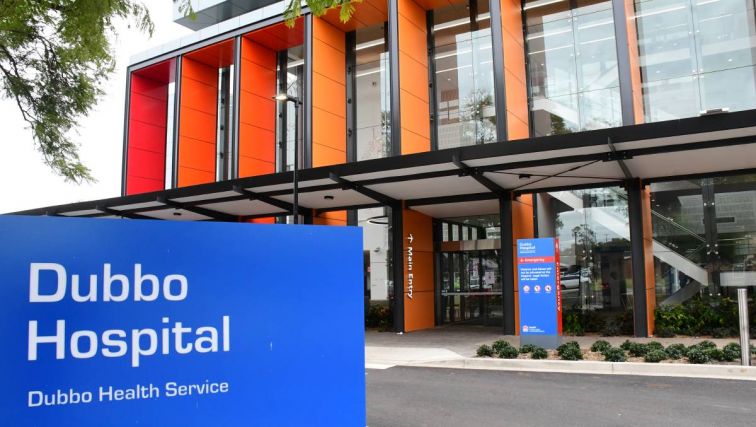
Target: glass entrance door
(471,287)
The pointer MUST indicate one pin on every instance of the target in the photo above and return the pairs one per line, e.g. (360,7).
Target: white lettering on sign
(114,343)
(410,274)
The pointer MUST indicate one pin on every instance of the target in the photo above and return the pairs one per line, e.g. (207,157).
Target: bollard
(745,348)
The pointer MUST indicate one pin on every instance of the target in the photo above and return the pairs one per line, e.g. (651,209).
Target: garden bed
(704,352)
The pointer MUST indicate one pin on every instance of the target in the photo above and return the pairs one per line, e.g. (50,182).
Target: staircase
(618,225)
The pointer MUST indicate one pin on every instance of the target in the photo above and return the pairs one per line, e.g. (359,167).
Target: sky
(27,183)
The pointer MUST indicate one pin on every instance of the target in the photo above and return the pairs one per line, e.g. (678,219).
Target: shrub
(655,356)
(592,321)
(573,323)
(626,345)
(499,345)
(528,348)
(539,353)
(379,316)
(599,346)
(701,315)
(698,356)
(614,354)
(716,354)
(485,351)
(676,351)
(638,349)
(569,344)
(655,345)
(731,351)
(570,351)
(706,345)
(509,352)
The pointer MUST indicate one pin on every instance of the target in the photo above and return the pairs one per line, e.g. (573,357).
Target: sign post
(539,291)
(120,322)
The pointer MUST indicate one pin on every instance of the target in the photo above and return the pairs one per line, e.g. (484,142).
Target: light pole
(285,97)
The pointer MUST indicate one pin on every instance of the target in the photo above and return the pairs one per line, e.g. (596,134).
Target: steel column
(635,214)
(397,265)
(623,62)
(393,42)
(506,264)
(307,82)
(497,46)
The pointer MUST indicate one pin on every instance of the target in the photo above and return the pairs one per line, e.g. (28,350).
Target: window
(465,111)
(289,128)
(572,66)
(696,55)
(372,93)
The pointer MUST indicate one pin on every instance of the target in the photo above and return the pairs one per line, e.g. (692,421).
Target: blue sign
(131,322)
(539,288)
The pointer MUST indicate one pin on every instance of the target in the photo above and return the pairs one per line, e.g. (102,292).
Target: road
(409,397)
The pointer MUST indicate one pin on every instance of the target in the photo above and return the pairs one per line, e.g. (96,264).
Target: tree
(294,8)
(319,8)
(54,57)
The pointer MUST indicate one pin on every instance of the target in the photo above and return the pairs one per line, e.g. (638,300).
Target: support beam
(620,158)
(115,212)
(220,216)
(506,264)
(478,176)
(288,207)
(635,214)
(378,197)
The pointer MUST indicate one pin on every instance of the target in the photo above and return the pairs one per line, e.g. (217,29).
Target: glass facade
(572,66)
(470,279)
(708,226)
(696,55)
(595,256)
(289,123)
(465,112)
(373,99)
(376,249)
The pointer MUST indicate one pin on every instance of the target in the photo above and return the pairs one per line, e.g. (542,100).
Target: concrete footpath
(456,347)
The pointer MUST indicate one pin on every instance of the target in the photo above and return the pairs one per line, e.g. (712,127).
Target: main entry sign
(540,295)
(117,322)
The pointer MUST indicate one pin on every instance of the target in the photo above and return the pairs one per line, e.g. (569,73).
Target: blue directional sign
(539,288)
(126,322)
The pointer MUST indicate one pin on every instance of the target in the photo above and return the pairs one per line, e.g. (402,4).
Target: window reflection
(594,255)
(289,125)
(696,55)
(573,78)
(372,93)
(465,111)
(470,280)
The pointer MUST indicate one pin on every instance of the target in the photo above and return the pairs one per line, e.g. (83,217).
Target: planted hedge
(651,352)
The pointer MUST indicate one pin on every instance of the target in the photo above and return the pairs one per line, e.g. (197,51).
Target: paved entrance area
(386,349)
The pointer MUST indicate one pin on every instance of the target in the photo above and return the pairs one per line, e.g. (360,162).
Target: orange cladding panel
(197,123)
(419,300)
(413,78)
(257,109)
(523,227)
(331,218)
(634,57)
(328,94)
(648,258)
(514,69)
